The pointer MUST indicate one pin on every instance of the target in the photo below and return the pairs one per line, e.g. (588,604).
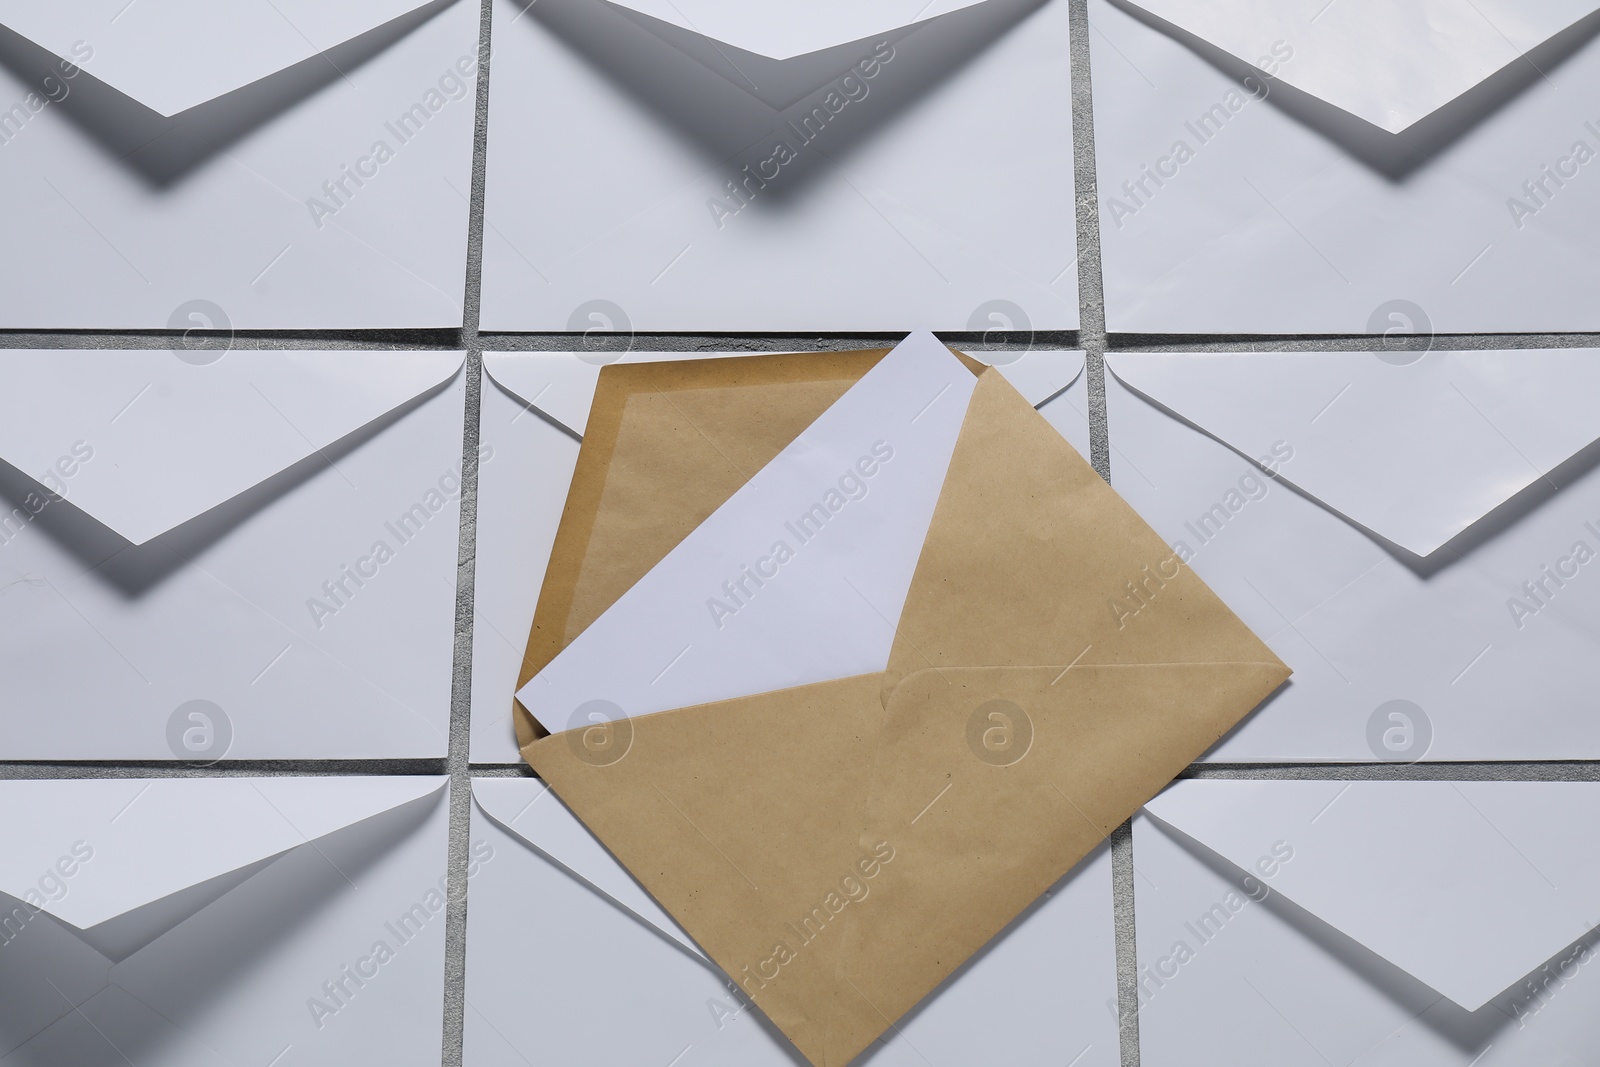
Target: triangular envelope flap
(779,83)
(1467,886)
(129,843)
(1415,453)
(1027,548)
(787,28)
(174,54)
(798,578)
(559,384)
(144,441)
(532,811)
(562,384)
(1389,64)
(120,937)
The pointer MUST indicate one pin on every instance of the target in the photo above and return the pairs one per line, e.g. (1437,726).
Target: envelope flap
(839,859)
(531,811)
(1028,555)
(129,843)
(1415,453)
(143,441)
(1389,64)
(171,55)
(789,28)
(1467,886)
(558,384)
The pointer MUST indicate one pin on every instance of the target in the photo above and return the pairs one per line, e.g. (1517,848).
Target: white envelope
(535,408)
(1346,168)
(214,922)
(249,164)
(1422,557)
(569,960)
(932,186)
(1368,924)
(253,558)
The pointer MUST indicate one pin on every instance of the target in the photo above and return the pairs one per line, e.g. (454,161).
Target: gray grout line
(1509,771)
(1127,951)
(471,297)
(1329,343)
(225,769)
(455,950)
(1091,337)
(455,945)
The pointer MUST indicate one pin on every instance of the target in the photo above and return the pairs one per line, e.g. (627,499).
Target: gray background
(1091,337)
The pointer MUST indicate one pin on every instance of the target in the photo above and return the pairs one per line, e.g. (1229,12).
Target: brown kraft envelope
(840,848)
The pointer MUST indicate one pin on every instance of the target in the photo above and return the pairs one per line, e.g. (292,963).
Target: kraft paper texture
(840,848)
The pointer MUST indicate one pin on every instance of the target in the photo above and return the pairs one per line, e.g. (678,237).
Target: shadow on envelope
(227,935)
(163,150)
(715,113)
(1469,1031)
(1395,156)
(137,569)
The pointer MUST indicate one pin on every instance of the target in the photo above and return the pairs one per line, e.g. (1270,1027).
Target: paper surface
(532,399)
(796,579)
(687,798)
(174,55)
(789,28)
(291,592)
(530,979)
(1234,199)
(659,234)
(1388,65)
(1473,429)
(1314,922)
(532,812)
(142,417)
(259,164)
(218,910)
(1398,656)
(1495,858)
